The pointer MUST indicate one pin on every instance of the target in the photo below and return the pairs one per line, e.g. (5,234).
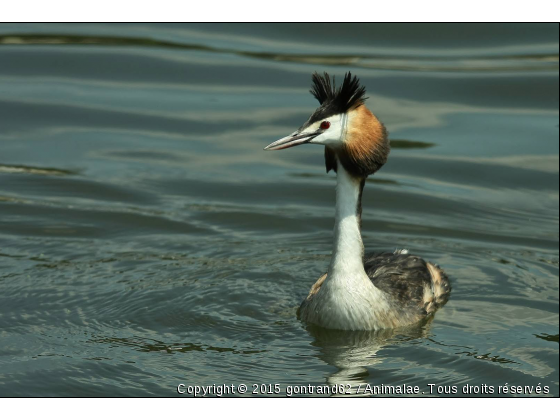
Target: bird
(359,292)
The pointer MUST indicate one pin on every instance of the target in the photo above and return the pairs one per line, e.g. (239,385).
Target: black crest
(337,100)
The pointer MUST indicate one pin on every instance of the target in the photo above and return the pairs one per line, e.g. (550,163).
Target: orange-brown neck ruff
(366,146)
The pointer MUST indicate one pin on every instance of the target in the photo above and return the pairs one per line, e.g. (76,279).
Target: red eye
(325,125)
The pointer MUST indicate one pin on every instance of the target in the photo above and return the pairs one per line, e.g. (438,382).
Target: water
(146,240)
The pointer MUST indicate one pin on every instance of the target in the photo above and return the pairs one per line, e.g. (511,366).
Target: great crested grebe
(376,291)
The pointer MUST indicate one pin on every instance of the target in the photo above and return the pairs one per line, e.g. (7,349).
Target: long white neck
(348,250)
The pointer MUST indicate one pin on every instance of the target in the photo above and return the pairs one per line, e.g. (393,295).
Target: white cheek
(331,137)
(327,139)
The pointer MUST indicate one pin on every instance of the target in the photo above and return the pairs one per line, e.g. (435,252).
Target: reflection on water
(506,62)
(34,170)
(355,353)
(410,144)
(146,239)
(149,345)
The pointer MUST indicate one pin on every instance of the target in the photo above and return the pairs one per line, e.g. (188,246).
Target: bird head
(350,133)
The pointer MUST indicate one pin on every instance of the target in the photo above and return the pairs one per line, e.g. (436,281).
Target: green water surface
(146,240)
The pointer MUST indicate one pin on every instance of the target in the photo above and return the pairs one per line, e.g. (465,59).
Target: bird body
(386,290)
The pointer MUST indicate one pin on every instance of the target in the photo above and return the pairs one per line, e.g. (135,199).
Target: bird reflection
(354,353)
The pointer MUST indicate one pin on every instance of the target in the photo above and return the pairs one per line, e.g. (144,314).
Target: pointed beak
(292,140)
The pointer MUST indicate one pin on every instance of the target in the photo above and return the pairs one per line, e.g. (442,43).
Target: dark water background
(146,239)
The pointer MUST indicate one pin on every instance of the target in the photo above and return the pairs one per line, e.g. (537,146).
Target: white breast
(348,304)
